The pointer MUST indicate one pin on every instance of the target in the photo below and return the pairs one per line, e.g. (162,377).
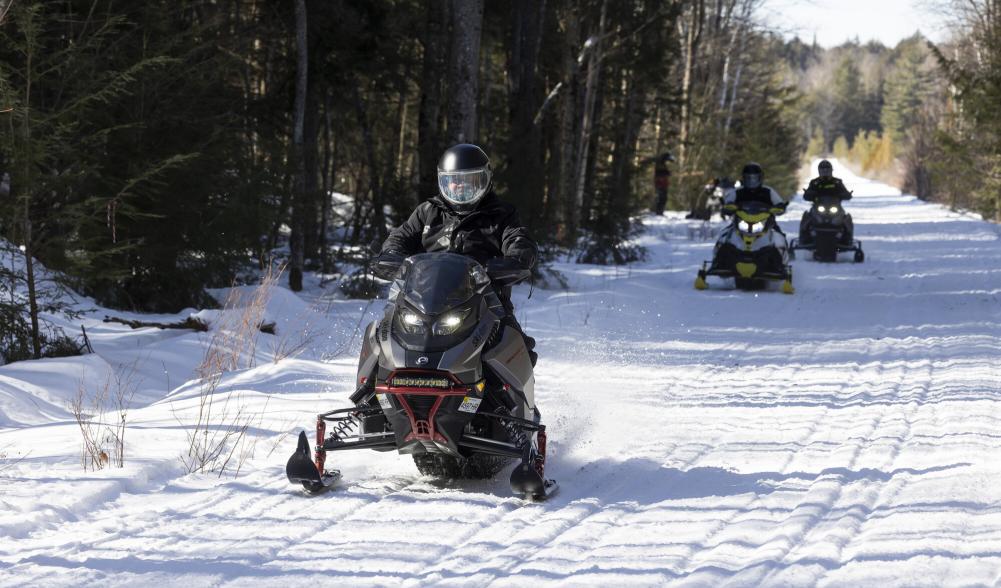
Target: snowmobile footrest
(490,446)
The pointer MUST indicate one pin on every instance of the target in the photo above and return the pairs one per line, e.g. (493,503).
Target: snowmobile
(827,232)
(442,377)
(751,250)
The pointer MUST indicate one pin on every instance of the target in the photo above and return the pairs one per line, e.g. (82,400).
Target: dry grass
(217,441)
(102,415)
(234,342)
(219,433)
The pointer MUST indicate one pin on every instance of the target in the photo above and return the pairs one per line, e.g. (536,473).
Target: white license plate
(470,404)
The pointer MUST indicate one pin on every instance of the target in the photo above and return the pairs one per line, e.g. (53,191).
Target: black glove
(505,271)
(386,264)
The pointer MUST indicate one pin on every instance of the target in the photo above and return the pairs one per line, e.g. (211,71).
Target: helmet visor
(751,180)
(464,187)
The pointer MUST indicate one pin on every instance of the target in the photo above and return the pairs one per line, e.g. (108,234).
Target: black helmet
(752,176)
(463,176)
(825,169)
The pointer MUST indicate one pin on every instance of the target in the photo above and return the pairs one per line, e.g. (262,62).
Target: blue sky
(835,21)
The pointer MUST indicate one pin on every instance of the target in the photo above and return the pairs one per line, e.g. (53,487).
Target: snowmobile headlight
(833,210)
(757,227)
(450,322)
(412,322)
(744,226)
(822,208)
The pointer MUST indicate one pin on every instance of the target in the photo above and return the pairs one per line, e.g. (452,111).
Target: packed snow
(846,435)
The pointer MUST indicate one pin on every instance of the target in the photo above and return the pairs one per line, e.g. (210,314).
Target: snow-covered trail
(846,435)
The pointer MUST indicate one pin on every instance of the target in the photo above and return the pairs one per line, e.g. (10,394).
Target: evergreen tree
(908,88)
(848,97)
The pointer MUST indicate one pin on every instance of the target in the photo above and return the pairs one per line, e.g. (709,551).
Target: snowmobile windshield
(752,208)
(437,282)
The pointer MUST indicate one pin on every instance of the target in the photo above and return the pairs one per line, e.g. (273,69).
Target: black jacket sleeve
(406,238)
(843,192)
(516,243)
(811,191)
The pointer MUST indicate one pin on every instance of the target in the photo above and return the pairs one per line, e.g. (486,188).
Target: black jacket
(491,230)
(822,186)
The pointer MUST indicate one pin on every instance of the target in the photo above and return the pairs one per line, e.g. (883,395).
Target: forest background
(151,150)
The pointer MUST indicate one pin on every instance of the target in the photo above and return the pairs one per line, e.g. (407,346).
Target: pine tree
(848,96)
(908,88)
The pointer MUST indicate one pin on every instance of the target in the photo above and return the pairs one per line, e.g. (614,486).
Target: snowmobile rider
(468,218)
(824,185)
(753,189)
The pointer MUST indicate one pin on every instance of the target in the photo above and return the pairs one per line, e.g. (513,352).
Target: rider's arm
(515,242)
(843,192)
(729,201)
(778,203)
(406,238)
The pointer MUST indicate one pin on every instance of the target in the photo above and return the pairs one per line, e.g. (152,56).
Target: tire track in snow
(800,539)
(805,440)
(890,489)
(530,536)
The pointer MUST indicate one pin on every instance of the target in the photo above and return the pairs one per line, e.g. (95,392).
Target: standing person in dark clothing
(661,182)
(467,217)
(825,185)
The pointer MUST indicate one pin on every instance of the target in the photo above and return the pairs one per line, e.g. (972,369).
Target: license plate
(470,404)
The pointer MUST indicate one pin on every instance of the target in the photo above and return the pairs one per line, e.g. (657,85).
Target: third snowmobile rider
(468,218)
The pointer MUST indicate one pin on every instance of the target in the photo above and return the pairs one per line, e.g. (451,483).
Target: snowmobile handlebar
(507,271)
(386,264)
(503,271)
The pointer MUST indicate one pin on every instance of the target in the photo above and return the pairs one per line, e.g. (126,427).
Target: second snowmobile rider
(468,218)
(825,184)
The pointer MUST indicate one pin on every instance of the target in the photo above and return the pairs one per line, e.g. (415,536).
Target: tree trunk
(328,181)
(29,265)
(375,185)
(569,118)
(463,79)
(584,141)
(299,200)
(525,172)
(435,64)
(692,34)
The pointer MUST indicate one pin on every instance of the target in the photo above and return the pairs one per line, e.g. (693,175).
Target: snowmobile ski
(300,468)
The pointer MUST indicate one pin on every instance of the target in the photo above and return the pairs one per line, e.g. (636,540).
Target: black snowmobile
(827,230)
(751,250)
(442,377)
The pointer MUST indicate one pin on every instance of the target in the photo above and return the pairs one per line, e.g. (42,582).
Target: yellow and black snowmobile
(752,250)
